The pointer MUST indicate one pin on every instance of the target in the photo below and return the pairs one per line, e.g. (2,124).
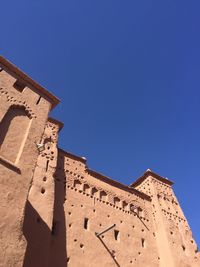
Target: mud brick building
(56,212)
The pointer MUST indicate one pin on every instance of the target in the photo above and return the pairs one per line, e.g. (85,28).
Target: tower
(175,242)
(57,212)
(24,108)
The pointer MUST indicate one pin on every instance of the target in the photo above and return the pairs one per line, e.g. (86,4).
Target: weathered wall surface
(175,243)
(93,205)
(22,120)
(39,210)
(52,207)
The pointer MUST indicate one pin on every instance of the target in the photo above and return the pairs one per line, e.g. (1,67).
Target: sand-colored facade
(56,212)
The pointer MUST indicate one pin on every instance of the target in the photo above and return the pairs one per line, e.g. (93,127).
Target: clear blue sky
(128,76)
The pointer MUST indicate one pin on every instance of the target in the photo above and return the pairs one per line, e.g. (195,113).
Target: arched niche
(14,129)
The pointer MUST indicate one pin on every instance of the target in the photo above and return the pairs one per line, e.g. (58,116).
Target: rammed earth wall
(56,212)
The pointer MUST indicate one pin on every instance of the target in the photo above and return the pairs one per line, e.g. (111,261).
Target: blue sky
(127,73)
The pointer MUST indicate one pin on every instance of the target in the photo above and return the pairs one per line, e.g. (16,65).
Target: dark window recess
(19,85)
(55,228)
(86,221)
(42,190)
(143,243)
(183,247)
(116,234)
(47,165)
(38,101)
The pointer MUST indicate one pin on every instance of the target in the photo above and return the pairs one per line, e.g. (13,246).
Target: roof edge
(151,173)
(117,184)
(82,159)
(55,121)
(104,178)
(10,66)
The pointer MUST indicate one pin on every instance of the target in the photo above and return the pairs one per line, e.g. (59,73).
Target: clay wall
(39,212)
(174,237)
(93,205)
(54,208)
(23,114)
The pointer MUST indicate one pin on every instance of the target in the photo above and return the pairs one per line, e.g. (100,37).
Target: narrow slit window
(38,101)
(116,235)
(86,222)
(143,242)
(42,190)
(47,165)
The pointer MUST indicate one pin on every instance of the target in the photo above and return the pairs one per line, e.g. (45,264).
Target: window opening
(183,247)
(47,165)
(19,86)
(42,190)
(38,101)
(143,242)
(86,221)
(116,234)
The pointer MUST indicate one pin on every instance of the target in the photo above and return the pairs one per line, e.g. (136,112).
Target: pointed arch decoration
(14,129)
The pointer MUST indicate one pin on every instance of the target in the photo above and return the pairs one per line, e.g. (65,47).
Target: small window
(42,190)
(86,221)
(143,242)
(19,86)
(103,195)
(94,192)
(38,101)
(116,235)
(47,165)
